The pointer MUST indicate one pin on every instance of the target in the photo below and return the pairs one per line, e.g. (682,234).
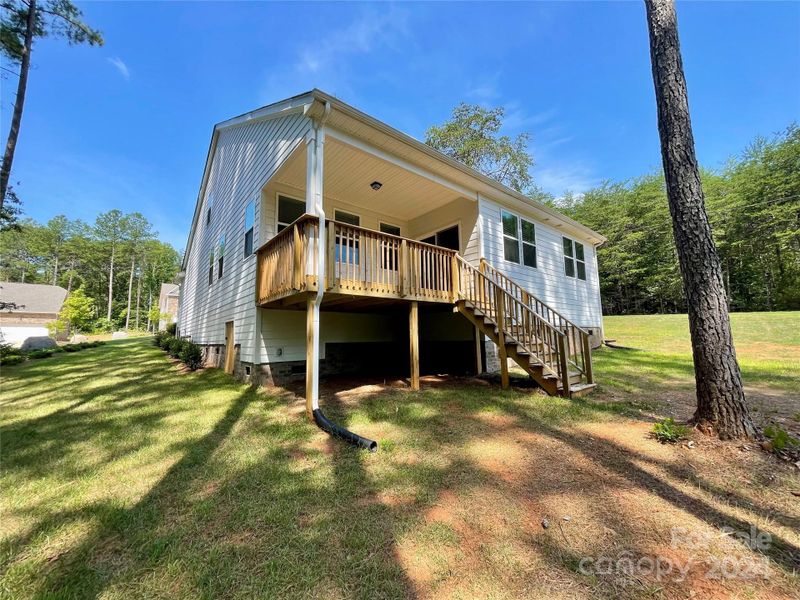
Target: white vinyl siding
(577,300)
(244,158)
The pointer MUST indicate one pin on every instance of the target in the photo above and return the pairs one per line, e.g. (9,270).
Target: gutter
(319,417)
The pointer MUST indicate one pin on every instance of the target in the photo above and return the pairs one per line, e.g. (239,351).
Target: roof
(303,102)
(33,297)
(169,289)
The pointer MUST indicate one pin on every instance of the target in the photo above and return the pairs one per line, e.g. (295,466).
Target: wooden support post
(312,368)
(297,271)
(562,357)
(454,277)
(500,301)
(413,335)
(587,358)
(478,355)
(402,268)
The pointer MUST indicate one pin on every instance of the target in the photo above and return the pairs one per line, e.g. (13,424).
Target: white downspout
(319,141)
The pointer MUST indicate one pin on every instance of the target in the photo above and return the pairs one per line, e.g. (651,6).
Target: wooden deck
(362,265)
(366,269)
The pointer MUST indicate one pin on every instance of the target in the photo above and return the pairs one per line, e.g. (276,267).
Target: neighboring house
(393,281)
(29,307)
(168,304)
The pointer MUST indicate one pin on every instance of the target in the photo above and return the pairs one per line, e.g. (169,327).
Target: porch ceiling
(349,171)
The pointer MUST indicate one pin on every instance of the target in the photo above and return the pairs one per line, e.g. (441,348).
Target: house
(325,241)
(27,308)
(168,304)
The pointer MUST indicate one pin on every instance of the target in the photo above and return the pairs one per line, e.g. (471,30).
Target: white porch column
(315,262)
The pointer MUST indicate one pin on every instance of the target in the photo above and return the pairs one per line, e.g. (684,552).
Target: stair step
(580,389)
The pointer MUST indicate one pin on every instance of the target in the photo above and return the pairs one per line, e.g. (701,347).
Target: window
(210,267)
(390,229)
(209,203)
(389,258)
(510,237)
(221,255)
(289,210)
(574,259)
(519,240)
(348,254)
(346,217)
(528,231)
(249,220)
(446,238)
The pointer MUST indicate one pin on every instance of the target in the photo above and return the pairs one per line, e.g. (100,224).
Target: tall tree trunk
(130,293)
(71,274)
(138,296)
(19,102)
(55,271)
(149,305)
(721,405)
(111,281)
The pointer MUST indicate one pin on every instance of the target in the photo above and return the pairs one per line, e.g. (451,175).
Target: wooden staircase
(555,352)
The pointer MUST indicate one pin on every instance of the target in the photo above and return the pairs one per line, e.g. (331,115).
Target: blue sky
(128,125)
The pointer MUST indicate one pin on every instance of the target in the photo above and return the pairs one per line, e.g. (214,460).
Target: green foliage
(40,354)
(668,431)
(754,208)
(472,137)
(77,311)
(175,347)
(12,359)
(192,355)
(165,341)
(780,438)
(59,18)
(159,337)
(172,328)
(74,255)
(7,349)
(103,325)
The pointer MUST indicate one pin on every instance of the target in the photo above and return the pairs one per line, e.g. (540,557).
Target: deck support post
(500,300)
(478,356)
(312,362)
(413,335)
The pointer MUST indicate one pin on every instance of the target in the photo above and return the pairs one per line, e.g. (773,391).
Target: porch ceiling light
(376,185)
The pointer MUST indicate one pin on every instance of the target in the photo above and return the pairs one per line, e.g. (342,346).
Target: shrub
(172,328)
(159,337)
(780,438)
(85,345)
(40,354)
(668,431)
(7,349)
(192,355)
(165,341)
(103,326)
(11,359)
(175,347)
(71,347)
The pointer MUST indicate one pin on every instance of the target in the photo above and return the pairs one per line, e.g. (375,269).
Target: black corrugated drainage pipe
(348,436)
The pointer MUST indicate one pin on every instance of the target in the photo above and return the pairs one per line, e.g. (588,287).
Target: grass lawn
(123,477)
(657,369)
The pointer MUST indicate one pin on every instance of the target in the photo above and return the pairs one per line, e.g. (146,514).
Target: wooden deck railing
(359,261)
(578,347)
(514,318)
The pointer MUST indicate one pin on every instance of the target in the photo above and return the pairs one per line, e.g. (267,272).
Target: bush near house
(188,352)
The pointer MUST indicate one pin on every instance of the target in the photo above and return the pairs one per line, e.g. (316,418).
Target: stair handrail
(579,348)
(534,328)
(503,278)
